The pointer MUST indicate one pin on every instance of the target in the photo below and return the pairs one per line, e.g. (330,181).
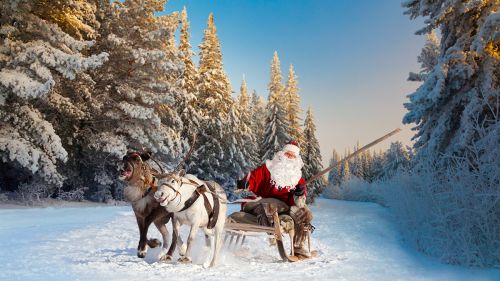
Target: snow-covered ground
(357,241)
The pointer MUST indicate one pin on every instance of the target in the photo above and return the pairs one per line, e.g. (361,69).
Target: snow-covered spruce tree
(356,164)
(377,165)
(238,158)
(334,174)
(277,127)
(456,111)
(215,104)
(186,103)
(428,58)
(258,113)
(246,127)
(395,158)
(367,164)
(135,107)
(43,59)
(345,171)
(292,99)
(311,156)
(462,87)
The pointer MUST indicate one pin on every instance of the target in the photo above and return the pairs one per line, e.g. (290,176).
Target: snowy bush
(450,211)
(450,214)
(32,193)
(355,189)
(76,194)
(3,197)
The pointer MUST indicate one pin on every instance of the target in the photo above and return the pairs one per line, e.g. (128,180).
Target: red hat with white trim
(292,146)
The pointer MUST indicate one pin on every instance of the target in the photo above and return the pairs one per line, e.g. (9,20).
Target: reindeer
(200,204)
(141,185)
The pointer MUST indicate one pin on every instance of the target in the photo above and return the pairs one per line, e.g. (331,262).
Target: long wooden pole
(352,155)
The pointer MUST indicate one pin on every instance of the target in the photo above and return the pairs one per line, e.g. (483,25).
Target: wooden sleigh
(284,235)
(281,233)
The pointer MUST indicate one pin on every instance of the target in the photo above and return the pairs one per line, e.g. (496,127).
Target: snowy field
(356,241)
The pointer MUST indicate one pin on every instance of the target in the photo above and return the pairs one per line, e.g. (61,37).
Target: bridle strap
(213,214)
(191,199)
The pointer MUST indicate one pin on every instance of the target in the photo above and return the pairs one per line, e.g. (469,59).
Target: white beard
(285,172)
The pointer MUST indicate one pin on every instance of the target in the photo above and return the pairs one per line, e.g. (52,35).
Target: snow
(357,241)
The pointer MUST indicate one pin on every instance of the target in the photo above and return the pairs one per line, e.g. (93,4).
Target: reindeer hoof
(166,258)
(153,243)
(141,254)
(184,260)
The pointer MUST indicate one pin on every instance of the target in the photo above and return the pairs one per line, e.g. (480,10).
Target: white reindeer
(191,201)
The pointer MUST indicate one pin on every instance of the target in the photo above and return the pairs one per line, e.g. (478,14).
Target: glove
(299,190)
(241,184)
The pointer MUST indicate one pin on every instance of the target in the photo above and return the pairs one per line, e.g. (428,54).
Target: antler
(163,175)
(187,155)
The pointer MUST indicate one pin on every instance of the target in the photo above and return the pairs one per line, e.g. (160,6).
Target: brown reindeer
(140,189)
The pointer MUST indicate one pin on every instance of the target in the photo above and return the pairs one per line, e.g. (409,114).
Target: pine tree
(334,174)
(246,128)
(345,171)
(187,101)
(277,130)
(213,85)
(356,164)
(311,156)
(367,164)
(137,101)
(460,93)
(44,63)
(428,58)
(275,87)
(258,123)
(216,106)
(395,158)
(292,100)
(377,165)
(236,154)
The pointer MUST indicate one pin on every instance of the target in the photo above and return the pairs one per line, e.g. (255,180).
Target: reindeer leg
(161,225)
(192,235)
(176,225)
(143,230)
(175,237)
(162,228)
(157,216)
(217,244)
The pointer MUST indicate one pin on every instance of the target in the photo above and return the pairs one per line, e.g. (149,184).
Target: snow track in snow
(356,241)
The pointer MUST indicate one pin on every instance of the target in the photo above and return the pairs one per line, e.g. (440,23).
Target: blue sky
(352,58)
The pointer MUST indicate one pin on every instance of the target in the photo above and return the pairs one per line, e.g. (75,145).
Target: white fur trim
(293,148)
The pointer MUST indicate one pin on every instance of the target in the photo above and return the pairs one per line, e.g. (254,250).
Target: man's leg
(243,217)
(302,218)
(282,206)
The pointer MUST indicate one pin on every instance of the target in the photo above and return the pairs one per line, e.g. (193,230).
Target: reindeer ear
(146,155)
(181,173)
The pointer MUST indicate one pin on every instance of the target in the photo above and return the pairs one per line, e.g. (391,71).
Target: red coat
(259,183)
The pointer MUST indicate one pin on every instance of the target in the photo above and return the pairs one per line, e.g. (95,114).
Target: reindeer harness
(213,213)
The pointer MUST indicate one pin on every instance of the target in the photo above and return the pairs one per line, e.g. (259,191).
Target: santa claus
(280,177)
(279,181)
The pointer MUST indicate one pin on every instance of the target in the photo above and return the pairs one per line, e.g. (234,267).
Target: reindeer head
(134,166)
(137,174)
(168,189)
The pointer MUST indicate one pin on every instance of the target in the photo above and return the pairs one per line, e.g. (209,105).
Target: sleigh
(281,233)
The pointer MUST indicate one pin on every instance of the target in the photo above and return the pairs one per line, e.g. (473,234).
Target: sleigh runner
(281,233)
